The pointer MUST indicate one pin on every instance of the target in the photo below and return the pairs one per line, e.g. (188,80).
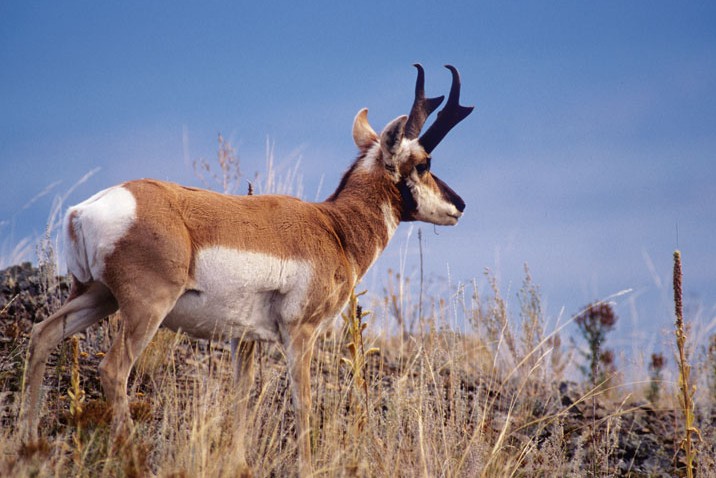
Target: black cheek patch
(409,204)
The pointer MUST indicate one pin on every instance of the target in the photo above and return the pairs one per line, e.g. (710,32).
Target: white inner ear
(391,139)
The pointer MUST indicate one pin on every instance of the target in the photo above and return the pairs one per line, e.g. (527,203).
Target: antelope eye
(422,168)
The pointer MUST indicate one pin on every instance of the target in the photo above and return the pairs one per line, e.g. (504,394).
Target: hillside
(490,402)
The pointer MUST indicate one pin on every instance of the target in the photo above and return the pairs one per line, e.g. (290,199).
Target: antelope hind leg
(91,303)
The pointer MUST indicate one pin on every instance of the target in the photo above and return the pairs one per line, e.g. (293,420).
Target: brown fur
(340,236)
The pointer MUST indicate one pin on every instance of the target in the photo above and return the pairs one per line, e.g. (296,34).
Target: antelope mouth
(453,218)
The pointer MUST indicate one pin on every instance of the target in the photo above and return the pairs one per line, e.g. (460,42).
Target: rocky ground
(637,438)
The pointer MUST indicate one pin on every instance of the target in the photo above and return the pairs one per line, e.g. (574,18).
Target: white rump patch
(97,224)
(241,294)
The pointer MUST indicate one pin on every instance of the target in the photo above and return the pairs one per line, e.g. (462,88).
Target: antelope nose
(459,203)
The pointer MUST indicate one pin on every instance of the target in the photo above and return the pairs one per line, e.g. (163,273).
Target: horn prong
(422,106)
(448,117)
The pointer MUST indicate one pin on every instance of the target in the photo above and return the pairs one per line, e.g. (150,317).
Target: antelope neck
(364,216)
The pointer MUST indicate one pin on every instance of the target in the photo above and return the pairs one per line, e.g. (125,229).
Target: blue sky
(591,145)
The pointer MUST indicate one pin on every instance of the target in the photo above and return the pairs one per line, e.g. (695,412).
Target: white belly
(241,294)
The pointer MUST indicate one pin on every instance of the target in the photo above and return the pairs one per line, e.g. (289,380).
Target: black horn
(422,106)
(448,117)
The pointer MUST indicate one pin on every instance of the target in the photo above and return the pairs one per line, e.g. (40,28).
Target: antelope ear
(392,136)
(363,135)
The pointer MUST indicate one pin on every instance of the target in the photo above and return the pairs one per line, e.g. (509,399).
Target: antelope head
(406,156)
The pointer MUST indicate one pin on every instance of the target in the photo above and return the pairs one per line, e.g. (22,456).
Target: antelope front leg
(298,341)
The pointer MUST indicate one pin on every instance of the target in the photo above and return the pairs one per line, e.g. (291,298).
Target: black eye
(422,168)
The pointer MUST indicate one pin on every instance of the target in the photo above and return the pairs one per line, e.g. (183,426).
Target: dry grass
(484,402)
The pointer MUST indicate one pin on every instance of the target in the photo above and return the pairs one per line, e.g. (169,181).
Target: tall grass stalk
(354,325)
(686,391)
(77,399)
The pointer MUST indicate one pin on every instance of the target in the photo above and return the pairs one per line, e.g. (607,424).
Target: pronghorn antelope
(244,268)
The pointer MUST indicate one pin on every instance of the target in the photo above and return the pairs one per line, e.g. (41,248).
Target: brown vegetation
(488,401)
